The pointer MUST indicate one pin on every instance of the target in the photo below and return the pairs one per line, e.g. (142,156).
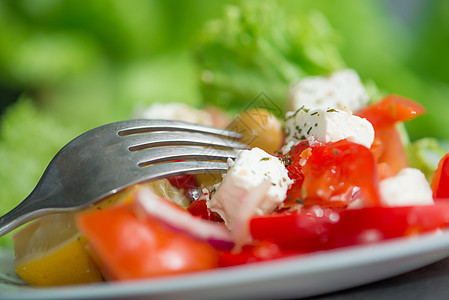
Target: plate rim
(322,261)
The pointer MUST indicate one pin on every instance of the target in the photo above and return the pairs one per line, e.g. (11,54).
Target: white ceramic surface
(297,277)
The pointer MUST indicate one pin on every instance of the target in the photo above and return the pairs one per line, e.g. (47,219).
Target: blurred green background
(68,66)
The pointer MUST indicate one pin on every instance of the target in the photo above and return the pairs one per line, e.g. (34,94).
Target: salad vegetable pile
(325,177)
(68,66)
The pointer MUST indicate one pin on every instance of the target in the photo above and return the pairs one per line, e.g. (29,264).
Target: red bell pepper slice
(323,229)
(383,115)
(261,251)
(393,153)
(390,110)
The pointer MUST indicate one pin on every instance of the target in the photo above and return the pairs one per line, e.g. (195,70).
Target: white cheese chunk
(408,187)
(325,126)
(175,111)
(250,169)
(338,90)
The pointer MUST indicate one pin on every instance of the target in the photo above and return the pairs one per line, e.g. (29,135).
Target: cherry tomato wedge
(440,181)
(390,110)
(134,247)
(334,172)
(322,229)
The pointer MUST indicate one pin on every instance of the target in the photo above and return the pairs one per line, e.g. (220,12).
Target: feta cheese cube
(250,169)
(326,125)
(338,90)
(408,187)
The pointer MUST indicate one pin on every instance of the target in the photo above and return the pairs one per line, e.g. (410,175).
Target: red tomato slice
(132,247)
(322,229)
(293,164)
(334,172)
(440,181)
(390,110)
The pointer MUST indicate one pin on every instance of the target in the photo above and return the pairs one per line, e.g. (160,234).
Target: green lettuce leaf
(257,48)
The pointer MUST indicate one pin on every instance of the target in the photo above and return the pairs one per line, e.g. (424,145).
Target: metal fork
(109,158)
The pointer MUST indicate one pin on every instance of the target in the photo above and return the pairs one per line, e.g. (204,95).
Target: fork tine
(156,139)
(146,125)
(164,170)
(157,155)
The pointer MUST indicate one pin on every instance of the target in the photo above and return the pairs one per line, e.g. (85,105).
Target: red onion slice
(172,215)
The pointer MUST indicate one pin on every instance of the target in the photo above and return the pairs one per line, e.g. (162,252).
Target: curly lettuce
(257,48)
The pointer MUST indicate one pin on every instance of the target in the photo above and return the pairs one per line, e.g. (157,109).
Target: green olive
(259,128)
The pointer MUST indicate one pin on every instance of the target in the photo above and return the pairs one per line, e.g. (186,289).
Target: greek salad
(333,173)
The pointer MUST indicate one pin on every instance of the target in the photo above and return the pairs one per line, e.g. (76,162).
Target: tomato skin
(440,181)
(132,247)
(309,231)
(334,171)
(294,168)
(390,110)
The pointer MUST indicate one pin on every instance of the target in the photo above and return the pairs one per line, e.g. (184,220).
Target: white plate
(301,276)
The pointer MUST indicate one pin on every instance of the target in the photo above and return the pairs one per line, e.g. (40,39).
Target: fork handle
(19,215)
